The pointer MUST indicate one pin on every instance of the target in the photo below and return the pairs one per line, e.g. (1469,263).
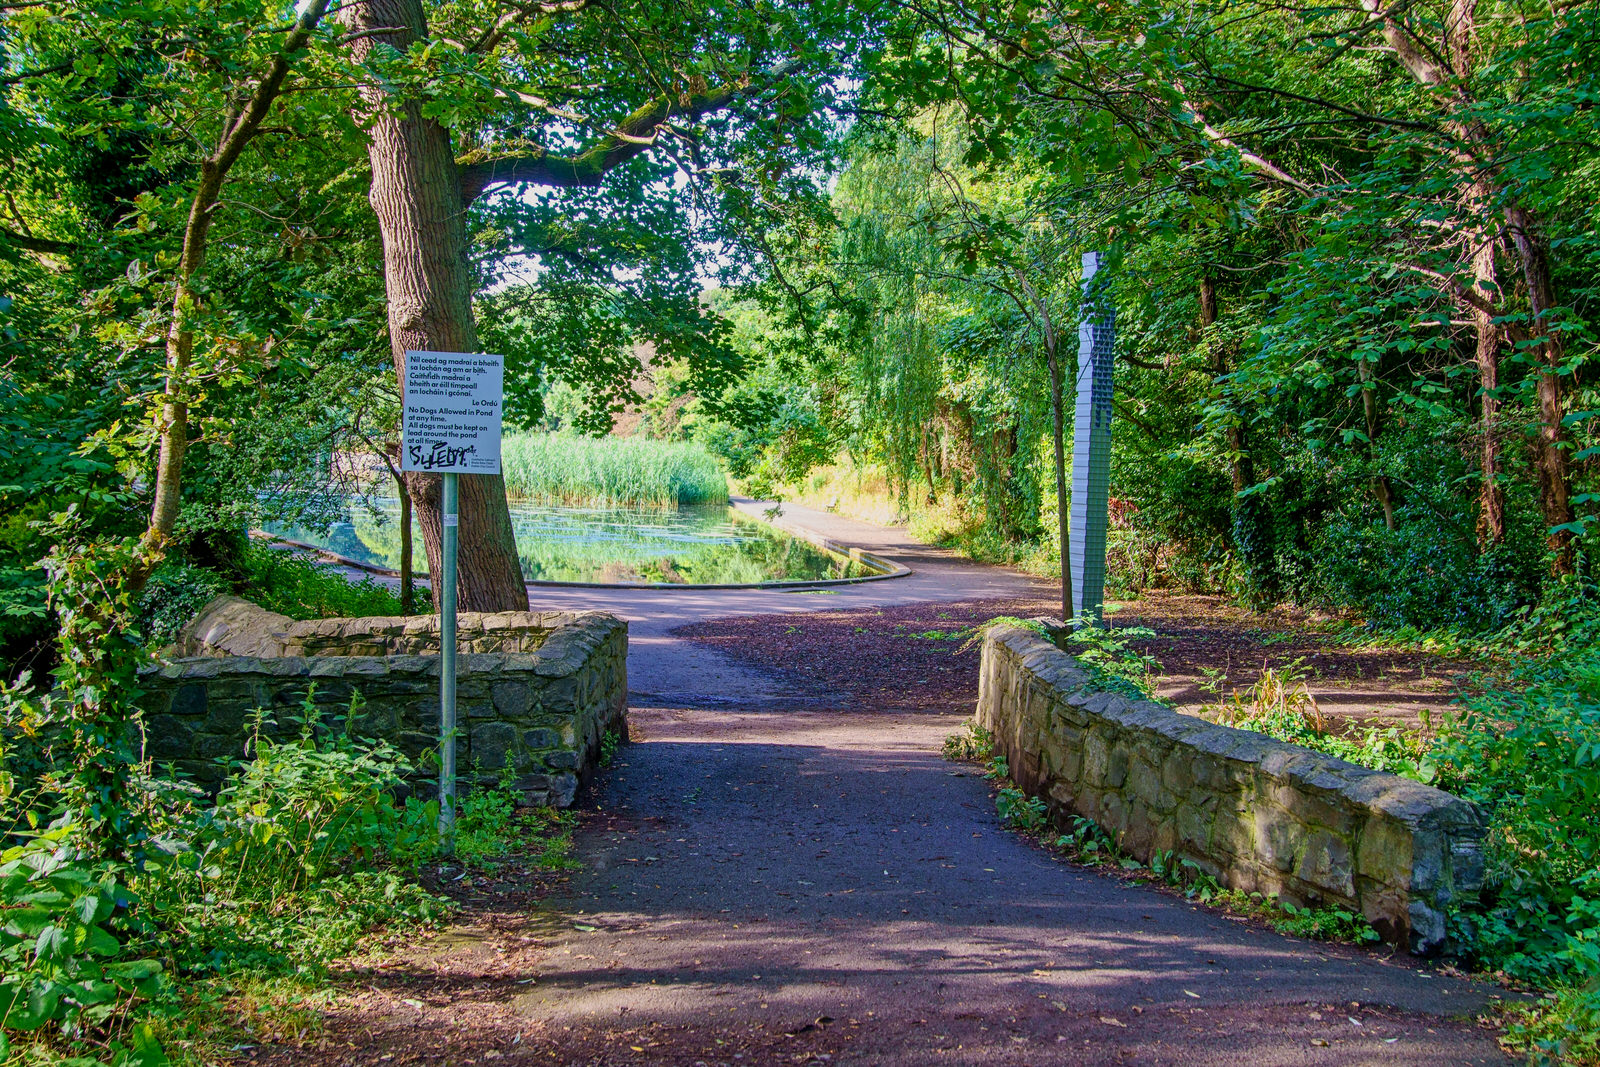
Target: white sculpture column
(1091,445)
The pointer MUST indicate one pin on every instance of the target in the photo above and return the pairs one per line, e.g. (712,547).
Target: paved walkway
(664,671)
(772,886)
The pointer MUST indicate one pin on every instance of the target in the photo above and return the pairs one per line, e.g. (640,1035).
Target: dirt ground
(916,657)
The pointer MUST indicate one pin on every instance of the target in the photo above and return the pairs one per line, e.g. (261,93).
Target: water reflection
(700,545)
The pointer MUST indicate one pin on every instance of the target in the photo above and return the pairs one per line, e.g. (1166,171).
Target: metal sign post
(1091,447)
(448,504)
(451,427)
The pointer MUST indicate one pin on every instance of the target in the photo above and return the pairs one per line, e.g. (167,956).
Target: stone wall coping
(232,626)
(562,654)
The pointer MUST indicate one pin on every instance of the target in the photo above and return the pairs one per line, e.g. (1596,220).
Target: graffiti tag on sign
(438,455)
(451,420)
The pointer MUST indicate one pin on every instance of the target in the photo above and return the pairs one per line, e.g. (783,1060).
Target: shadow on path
(777,870)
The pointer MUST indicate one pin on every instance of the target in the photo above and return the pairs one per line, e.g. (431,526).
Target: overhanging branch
(34,244)
(629,138)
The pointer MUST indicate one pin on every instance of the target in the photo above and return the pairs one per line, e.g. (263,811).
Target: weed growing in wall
(610,742)
(1114,665)
(492,824)
(1106,654)
(1018,810)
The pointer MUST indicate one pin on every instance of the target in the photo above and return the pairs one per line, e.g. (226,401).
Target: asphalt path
(664,671)
(769,885)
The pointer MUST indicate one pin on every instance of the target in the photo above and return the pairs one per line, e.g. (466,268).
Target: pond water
(698,545)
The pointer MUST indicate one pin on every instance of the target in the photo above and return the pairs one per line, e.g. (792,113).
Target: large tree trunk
(1491,495)
(1555,477)
(416,194)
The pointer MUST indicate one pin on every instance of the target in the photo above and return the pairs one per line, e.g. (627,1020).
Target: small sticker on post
(452,520)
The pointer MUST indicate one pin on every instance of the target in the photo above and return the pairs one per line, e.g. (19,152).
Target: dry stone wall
(1257,814)
(535,691)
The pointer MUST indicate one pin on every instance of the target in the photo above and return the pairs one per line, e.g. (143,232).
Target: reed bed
(588,471)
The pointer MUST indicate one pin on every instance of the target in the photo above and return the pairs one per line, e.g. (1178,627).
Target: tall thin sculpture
(1091,445)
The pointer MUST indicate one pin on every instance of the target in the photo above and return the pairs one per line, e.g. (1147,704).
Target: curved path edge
(763,511)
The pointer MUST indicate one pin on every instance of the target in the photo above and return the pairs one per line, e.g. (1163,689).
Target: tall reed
(558,469)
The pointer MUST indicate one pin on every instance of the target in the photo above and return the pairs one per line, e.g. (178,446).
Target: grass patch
(940,635)
(633,471)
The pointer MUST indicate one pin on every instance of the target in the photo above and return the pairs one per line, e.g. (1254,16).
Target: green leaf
(91,991)
(147,1051)
(134,970)
(34,1008)
(26,921)
(100,943)
(51,942)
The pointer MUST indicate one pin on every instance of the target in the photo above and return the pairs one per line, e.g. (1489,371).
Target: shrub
(288,582)
(62,963)
(1531,758)
(1280,706)
(1424,573)
(174,594)
(298,586)
(305,851)
(1527,750)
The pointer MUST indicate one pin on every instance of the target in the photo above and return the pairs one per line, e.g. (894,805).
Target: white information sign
(451,423)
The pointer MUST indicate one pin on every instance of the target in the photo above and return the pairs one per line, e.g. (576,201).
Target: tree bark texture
(1491,495)
(1555,476)
(416,195)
